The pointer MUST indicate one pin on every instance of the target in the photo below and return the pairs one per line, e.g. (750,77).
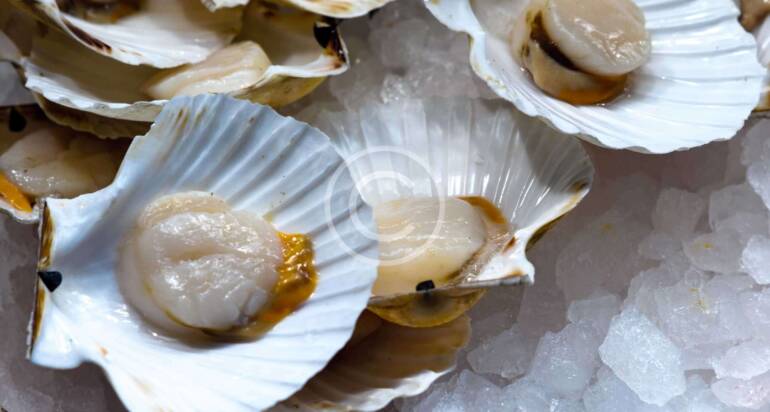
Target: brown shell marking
(88,39)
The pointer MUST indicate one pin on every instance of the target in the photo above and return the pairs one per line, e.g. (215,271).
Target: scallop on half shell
(459,151)
(699,85)
(41,159)
(138,32)
(207,159)
(280,56)
(460,189)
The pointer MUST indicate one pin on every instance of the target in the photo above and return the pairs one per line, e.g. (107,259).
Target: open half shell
(700,84)
(149,35)
(214,5)
(303,48)
(463,148)
(343,9)
(258,161)
(383,361)
(40,159)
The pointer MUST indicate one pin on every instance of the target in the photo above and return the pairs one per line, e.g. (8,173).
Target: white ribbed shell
(162,34)
(701,82)
(255,159)
(73,76)
(464,147)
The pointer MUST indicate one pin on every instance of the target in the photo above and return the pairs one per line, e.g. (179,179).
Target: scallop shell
(15,122)
(214,5)
(342,9)
(462,147)
(256,160)
(391,362)
(701,82)
(69,75)
(100,126)
(150,36)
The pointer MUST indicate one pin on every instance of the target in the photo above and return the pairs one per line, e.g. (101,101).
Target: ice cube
(659,246)
(643,357)
(755,259)
(719,251)
(687,314)
(753,393)
(698,398)
(756,307)
(731,200)
(641,291)
(758,176)
(525,395)
(609,394)
(474,392)
(597,310)
(506,354)
(745,361)
(565,361)
(602,255)
(677,212)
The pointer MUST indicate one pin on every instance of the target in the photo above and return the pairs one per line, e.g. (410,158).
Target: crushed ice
(651,296)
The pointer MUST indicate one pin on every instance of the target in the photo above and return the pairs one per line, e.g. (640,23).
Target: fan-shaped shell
(700,84)
(463,147)
(390,362)
(151,36)
(342,9)
(258,161)
(214,5)
(72,76)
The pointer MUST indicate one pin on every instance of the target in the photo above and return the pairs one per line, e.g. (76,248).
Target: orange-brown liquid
(13,195)
(490,210)
(297,278)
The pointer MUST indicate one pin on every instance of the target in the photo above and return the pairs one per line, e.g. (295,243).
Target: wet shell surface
(214,5)
(700,84)
(257,161)
(150,35)
(342,9)
(15,122)
(383,361)
(762,34)
(470,149)
(303,49)
(39,159)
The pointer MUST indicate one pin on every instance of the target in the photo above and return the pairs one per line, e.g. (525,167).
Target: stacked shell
(109,67)
(220,238)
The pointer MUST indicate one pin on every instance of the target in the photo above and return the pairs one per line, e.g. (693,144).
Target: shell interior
(150,35)
(461,147)
(256,160)
(386,362)
(77,78)
(342,9)
(700,84)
